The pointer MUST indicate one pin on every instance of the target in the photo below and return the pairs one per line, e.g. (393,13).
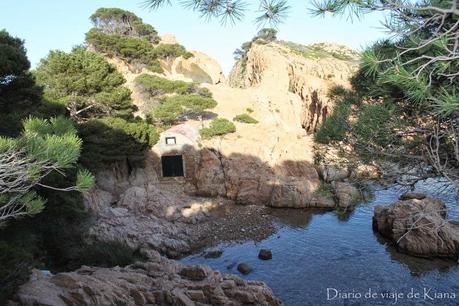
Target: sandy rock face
(199,68)
(158,282)
(249,180)
(306,71)
(419,227)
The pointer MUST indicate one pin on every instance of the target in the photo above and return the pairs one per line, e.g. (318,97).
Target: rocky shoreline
(159,281)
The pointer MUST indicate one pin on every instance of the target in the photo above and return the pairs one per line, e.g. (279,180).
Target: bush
(325,190)
(335,127)
(155,85)
(110,140)
(115,20)
(245,118)
(167,51)
(82,78)
(218,127)
(374,124)
(174,107)
(135,50)
(104,254)
(15,267)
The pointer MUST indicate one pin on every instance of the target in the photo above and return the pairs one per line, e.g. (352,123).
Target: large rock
(330,173)
(308,77)
(419,227)
(160,282)
(346,194)
(199,68)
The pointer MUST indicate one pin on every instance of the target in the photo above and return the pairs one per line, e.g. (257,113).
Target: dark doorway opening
(172,165)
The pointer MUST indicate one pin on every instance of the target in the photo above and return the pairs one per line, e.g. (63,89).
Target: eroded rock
(346,194)
(419,227)
(150,283)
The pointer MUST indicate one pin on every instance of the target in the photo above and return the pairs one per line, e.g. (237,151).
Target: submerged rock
(213,254)
(346,194)
(419,227)
(265,254)
(244,268)
(150,283)
(412,195)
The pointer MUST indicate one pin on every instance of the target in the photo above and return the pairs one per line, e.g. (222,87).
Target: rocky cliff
(158,282)
(306,71)
(270,163)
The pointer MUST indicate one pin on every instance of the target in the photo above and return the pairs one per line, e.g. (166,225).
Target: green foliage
(319,51)
(245,118)
(45,146)
(110,140)
(85,83)
(135,50)
(447,103)
(218,127)
(171,108)
(155,85)
(336,125)
(170,51)
(374,125)
(19,96)
(263,36)
(14,269)
(122,34)
(12,56)
(104,254)
(325,190)
(115,20)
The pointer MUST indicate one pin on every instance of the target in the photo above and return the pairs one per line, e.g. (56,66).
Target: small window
(170,141)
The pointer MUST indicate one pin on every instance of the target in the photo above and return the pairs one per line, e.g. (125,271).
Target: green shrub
(218,127)
(374,124)
(15,267)
(325,190)
(167,51)
(110,140)
(115,20)
(173,107)
(135,50)
(80,79)
(335,127)
(155,85)
(104,254)
(245,118)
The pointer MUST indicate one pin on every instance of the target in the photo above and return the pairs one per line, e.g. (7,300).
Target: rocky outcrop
(158,282)
(347,195)
(310,72)
(419,227)
(199,68)
(249,180)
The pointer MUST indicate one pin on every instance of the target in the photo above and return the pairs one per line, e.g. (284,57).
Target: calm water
(316,251)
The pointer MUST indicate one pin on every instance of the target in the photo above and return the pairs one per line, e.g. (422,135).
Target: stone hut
(176,152)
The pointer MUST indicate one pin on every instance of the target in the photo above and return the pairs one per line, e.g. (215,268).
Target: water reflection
(314,250)
(417,266)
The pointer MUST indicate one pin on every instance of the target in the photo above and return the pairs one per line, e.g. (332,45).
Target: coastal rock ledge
(160,282)
(419,227)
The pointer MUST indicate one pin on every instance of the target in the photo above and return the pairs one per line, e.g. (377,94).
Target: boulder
(419,227)
(330,173)
(150,283)
(213,254)
(244,268)
(265,254)
(346,194)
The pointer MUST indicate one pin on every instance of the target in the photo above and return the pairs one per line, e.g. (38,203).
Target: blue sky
(60,24)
